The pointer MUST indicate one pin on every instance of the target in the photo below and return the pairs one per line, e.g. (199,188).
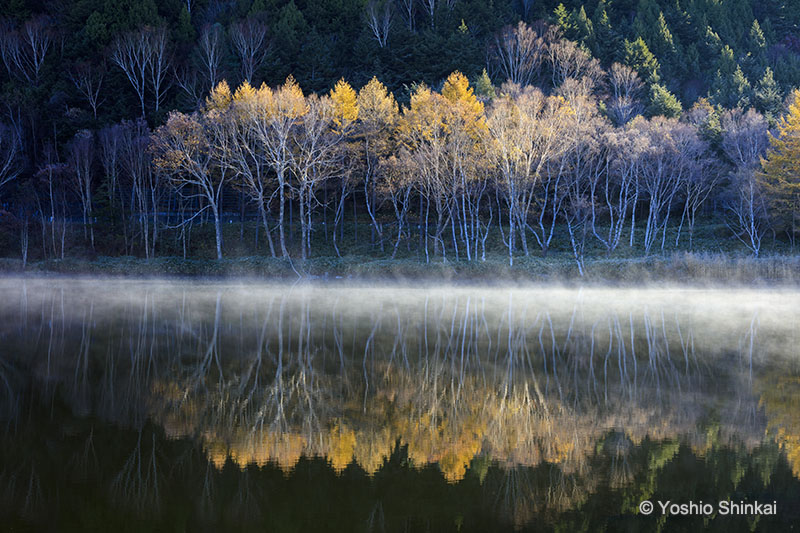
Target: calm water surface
(153,406)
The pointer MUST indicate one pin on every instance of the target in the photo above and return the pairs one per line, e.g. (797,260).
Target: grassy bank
(677,267)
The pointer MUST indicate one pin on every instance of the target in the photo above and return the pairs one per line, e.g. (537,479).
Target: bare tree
(186,78)
(667,164)
(249,38)
(586,168)
(700,180)
(51,171)
(143,184)
(23,51)
(143,56)
(88,80)
(159,63)
(528,130)
(275,130)
(526,8)
(379,20)
(568,60)
(131,54)
(236,133)
(184,150)
(747,209)
(430,7)
(620,190)
(518,51)
(315,159)
(744,137)
(10,150)
(744,141)
(409,9)
(626,87)
(110,147)
(81,157)
(211,48)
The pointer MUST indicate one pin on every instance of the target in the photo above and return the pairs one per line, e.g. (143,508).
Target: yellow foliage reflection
(779,398)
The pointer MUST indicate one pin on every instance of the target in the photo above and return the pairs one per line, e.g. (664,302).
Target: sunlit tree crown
(345,104)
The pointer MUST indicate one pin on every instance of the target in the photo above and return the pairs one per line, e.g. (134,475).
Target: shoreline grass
(678,267)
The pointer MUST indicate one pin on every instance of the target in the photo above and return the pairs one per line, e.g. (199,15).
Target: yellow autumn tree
(779,396)
(781,169)
(245,127)
(345,106)
(220,97)
(457,91)
(377,108)
(377,113)
(467,162)
(283,111)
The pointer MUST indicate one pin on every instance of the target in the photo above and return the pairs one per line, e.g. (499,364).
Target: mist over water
(243,405)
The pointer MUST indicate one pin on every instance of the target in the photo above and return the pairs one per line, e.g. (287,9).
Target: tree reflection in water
(391,407)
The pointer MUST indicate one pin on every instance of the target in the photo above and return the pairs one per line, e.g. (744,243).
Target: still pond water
(186,406)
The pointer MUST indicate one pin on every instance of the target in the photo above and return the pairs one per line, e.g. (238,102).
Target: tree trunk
(217,230)
(282,196)
(264,222)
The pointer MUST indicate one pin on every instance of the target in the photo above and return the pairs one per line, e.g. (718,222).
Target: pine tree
(706,118)
(663,102)
(639,57)
(756,50)
(664,43)
(484,89)
(666,50)
(767,96)
(691,60)
(742,89)
(607,40)
(757,43)
(781,170)
(184,33)
(713,45)
(646,19)
(730,88)
(582,29)
(562,18)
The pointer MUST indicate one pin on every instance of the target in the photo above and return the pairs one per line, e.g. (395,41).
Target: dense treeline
(57,53)
(598,130)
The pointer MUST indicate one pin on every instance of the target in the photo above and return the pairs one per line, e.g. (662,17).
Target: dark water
(148,406)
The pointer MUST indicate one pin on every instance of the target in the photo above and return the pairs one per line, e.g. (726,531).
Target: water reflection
(526,403)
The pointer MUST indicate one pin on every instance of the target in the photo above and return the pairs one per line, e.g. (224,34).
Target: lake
(130,405)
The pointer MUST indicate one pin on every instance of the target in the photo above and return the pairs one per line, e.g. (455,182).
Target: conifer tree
(562,18)
(607,40)
(646,20)
(742,91)
(184,33)
(756,58)
(781,170)
(663,102)
(665,48)
(582,29)
(483,87)
(639,57)
(730,88)
(345,106)
(767,96)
